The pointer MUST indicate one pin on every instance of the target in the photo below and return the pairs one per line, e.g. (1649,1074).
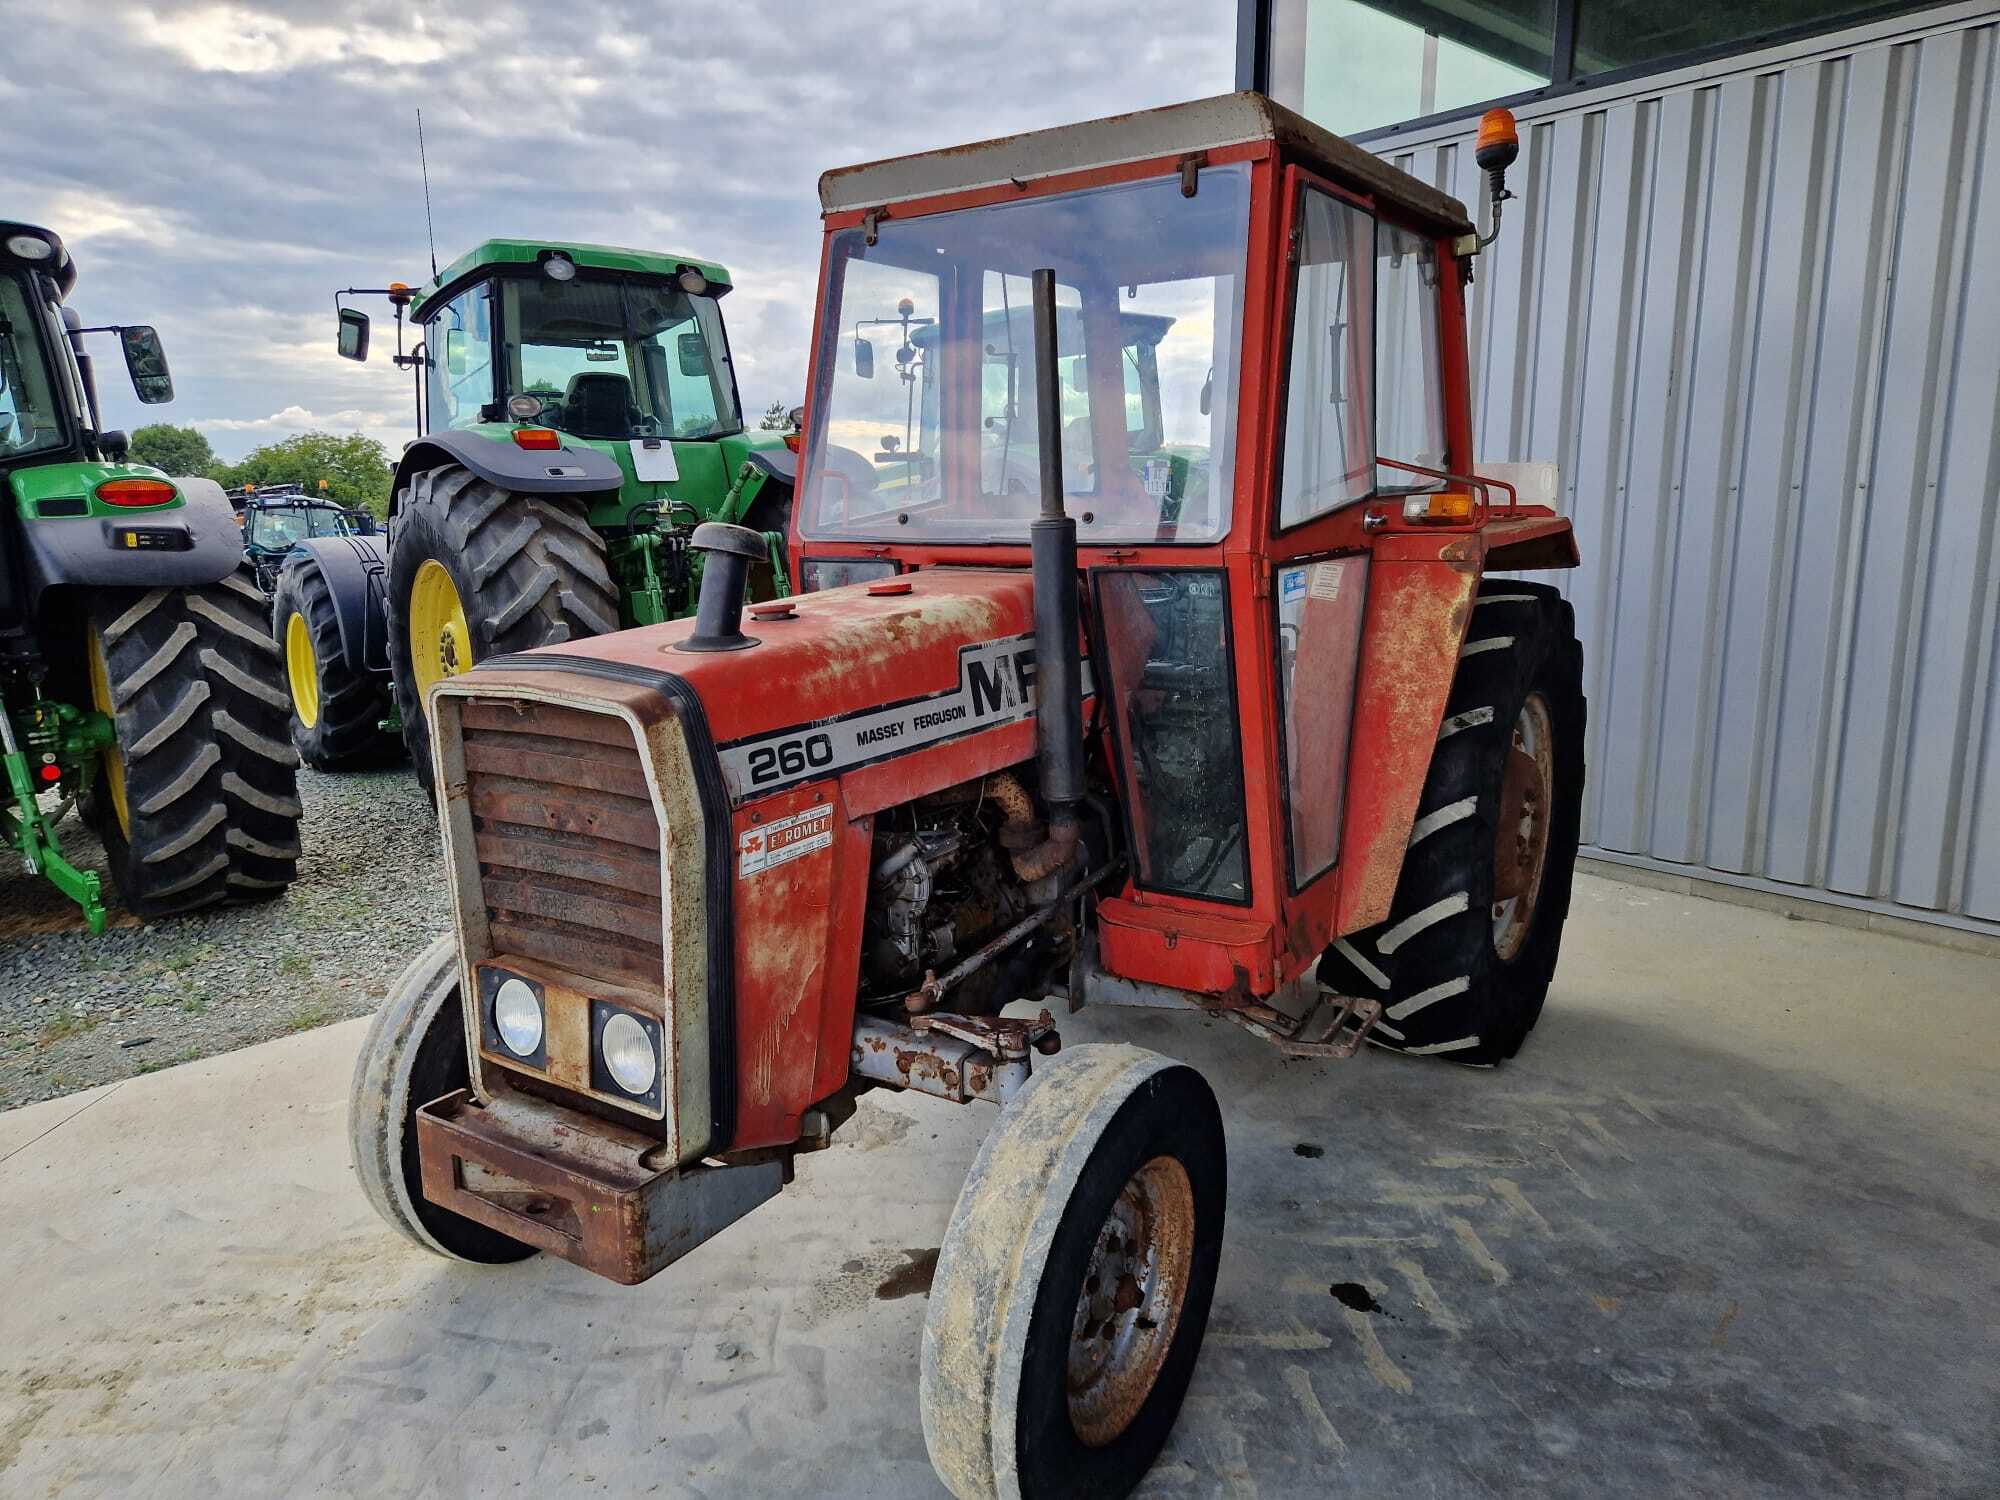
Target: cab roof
(1175,130)
(500,254)
(59,268)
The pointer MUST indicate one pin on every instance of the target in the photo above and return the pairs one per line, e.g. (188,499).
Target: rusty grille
(567,840)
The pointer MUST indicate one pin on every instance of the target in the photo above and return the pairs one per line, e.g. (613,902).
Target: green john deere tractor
(579,417)
(136,667)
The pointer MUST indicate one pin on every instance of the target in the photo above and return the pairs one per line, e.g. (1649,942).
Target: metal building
(1741,303)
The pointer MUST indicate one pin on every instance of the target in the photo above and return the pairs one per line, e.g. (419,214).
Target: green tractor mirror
(864,358)
(693,352)
(146,363)
(353,334)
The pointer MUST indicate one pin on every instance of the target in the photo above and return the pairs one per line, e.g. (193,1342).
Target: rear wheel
(337,710)
(478,571)
(415,1053)
(1465,959)
(1073,1287)
(197,801)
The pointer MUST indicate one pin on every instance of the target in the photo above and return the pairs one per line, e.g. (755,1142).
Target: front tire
(1074,1283)
(336,709)
(415,1053)
(197,802)
(478,571)
(1465,959)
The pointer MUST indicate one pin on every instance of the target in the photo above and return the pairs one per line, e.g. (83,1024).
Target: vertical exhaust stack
(727,552)
(1052,543)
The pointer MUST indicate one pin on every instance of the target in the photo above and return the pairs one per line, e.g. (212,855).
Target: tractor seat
(599,404)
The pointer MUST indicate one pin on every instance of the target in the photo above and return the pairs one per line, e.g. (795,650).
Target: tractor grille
(567,840)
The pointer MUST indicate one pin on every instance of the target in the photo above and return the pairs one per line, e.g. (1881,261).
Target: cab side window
(459,360)
(1329,434)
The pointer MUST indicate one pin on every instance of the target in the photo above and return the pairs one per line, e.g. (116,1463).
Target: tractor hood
(862,673)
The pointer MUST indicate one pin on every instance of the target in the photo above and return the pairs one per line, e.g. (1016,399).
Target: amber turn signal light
(536,438)
(135,492)
(1447,508)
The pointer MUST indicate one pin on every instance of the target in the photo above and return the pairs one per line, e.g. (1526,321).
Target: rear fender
(573,469)
(353,568)
(91,551)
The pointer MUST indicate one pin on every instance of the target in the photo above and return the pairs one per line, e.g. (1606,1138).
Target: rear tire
(1461,967)
(415,1053)
(1073,1287)
(198,801)
(528,570)
(336,710)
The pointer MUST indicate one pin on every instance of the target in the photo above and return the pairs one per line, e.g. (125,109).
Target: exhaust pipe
(1052,548)
(727,552)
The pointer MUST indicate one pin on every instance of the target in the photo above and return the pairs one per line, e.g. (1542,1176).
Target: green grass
(66,1026)
(297,965)
(307,1017)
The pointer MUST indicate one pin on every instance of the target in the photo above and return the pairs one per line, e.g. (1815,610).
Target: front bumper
(577,1186)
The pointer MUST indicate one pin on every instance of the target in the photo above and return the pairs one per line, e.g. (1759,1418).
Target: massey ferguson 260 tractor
(1272,747)
(579,418)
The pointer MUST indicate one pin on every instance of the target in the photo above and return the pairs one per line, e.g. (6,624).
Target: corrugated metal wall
(1755,316)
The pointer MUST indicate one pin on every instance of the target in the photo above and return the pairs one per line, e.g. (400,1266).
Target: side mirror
(693,351)
(1208,391)
(454,355)
(353,333)
(146,363)
(864,358)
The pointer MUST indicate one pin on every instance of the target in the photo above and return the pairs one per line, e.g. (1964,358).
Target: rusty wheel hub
(1521,839)
(1131,1300)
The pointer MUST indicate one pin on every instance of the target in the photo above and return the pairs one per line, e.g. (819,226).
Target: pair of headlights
(624,1045)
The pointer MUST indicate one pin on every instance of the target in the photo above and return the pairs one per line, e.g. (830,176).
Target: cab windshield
(925,400)
(619,357)
(280,526)
(30,409)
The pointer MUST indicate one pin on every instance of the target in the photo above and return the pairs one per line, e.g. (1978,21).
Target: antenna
(429,227)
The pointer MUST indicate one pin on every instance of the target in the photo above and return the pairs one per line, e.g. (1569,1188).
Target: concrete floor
(1729,1226)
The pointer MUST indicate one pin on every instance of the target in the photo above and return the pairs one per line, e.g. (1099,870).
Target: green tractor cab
(135,666)
(579,416)
(277,517)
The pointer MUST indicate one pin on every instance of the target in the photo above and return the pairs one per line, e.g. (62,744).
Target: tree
(355,467)
(777,418)
(180,451)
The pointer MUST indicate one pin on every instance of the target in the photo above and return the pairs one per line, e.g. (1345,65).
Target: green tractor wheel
(478,571)
(197,801)
(337,710)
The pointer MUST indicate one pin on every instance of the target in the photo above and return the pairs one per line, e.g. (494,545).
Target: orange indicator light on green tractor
(135,492)
(536,438)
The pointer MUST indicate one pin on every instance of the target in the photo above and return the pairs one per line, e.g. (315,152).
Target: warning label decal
(786,839)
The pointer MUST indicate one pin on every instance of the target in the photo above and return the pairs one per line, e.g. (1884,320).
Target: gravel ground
(76,1011)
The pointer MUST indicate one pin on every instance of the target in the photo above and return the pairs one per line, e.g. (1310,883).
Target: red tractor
(1143,653)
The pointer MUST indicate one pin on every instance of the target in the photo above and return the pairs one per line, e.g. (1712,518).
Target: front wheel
(415,1053)
(1074,1283)
(337,705)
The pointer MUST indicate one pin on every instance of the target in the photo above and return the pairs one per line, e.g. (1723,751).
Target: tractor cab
(1265,449)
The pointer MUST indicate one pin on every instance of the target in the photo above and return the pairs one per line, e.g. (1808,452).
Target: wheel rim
(440,640)
(302,670)
(1521,840)
(1130,1302)
(113,757)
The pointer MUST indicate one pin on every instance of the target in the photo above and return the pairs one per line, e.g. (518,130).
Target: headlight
(30,247)
(628,1054)
(559,268)
(517,1016)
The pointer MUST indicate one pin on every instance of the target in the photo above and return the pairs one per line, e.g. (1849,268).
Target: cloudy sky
(219,169)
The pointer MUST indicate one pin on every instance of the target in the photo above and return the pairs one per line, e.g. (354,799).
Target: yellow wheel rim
(302,670)
(114,759)
(440,640)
